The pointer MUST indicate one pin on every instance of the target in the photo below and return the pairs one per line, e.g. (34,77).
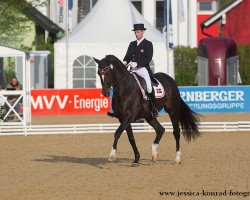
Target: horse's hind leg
(159,129)
(176,132)
(133,144)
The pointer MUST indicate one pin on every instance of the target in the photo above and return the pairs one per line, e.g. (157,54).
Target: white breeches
(143,72)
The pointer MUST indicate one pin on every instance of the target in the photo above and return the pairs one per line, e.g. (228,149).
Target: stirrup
(110,114)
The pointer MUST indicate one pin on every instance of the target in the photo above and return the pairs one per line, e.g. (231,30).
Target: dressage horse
(129,105)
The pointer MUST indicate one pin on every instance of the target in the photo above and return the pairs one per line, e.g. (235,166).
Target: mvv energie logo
(42,102)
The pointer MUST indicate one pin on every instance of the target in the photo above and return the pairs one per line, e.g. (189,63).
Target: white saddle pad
(159,90)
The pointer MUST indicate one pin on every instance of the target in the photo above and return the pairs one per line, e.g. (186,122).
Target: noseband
(105,70)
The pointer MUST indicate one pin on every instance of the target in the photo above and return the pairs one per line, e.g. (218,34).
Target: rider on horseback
(139,55)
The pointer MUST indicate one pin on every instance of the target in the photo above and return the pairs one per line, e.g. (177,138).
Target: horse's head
(105,69)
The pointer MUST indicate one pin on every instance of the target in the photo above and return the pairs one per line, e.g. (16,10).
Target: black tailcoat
(142,54)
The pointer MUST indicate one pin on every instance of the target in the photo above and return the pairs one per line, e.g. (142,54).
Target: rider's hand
(133,64)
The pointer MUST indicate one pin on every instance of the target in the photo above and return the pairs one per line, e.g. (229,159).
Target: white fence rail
(15,129)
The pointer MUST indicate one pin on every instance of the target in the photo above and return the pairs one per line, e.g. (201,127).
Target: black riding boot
(153,102)
(110,114)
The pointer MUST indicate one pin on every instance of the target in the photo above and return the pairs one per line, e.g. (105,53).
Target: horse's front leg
(124,125)
(133,144)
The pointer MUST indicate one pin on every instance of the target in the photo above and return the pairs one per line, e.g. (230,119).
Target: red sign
(69,102)
(212,30)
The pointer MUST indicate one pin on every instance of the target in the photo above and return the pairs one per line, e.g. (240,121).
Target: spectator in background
(13,85)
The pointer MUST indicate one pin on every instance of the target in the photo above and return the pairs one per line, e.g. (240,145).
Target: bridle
(105,70)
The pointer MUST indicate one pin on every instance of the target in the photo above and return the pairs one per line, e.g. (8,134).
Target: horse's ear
(109,59)
(96,60)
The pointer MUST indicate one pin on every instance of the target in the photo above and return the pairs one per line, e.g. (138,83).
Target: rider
(140,53)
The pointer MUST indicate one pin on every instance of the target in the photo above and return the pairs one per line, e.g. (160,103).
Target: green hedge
(244,63)
(186,65)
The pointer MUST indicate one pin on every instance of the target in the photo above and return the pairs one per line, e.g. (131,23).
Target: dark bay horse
(129,106)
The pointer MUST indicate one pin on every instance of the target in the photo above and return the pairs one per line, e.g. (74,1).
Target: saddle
(157,86)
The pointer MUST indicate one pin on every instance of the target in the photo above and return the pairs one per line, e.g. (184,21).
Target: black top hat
(139,27)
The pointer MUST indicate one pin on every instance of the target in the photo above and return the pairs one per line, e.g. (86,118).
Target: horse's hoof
(135,164)
(111,159)
(176,162)
(154,157)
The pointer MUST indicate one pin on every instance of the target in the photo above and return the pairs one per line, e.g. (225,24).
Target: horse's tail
(189,121)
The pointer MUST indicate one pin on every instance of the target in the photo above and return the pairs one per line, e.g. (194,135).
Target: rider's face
(139,34)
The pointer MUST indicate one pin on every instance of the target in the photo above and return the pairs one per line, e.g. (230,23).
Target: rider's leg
(143,72)
(111,114)
(153,102)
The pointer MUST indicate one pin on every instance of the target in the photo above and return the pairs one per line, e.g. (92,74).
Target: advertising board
(69,102)
(217,98)
(90,101)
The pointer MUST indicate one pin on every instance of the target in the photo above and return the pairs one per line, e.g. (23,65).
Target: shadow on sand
(95,162)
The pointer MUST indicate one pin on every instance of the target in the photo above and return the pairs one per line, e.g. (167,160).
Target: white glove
(125,63)
(133,64)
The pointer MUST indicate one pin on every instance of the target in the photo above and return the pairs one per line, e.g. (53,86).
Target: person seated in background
(13,85)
